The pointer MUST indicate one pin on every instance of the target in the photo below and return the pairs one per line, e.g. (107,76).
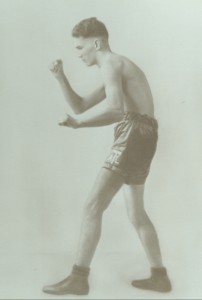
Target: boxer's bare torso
(136,91)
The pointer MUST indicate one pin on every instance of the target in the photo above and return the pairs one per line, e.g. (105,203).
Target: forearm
(72,98)
(105,117)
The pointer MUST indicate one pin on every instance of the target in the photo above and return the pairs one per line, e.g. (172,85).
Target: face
(87,50)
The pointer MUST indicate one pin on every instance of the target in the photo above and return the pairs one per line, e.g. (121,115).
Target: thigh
(106,185)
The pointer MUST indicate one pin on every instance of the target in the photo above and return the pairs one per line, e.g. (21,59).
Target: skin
(125,88)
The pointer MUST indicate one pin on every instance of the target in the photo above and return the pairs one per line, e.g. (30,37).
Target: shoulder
(113,62)
(112,66)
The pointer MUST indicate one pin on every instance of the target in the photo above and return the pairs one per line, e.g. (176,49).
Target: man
(129,104)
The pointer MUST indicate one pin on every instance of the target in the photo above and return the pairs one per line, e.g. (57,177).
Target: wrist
(61,78)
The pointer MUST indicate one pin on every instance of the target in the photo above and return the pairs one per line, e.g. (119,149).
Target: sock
(156,272)
(80,271)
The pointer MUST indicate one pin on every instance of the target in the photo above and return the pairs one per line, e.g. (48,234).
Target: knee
(138,219)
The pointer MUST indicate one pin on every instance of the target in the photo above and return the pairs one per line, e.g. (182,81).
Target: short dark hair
(90,28)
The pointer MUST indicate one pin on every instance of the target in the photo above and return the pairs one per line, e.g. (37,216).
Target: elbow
(79,109)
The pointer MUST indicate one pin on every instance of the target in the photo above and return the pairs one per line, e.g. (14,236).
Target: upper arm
(112,76)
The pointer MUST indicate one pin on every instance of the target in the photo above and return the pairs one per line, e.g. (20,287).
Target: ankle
(158,272)
(80,271)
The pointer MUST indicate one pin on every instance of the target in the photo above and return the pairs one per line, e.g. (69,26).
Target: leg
(159,280)
(134,197)
(106,186)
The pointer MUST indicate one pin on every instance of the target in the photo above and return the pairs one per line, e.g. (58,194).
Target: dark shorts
(135,140)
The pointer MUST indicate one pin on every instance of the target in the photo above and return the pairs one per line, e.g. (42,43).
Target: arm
(113,112)
(77,103)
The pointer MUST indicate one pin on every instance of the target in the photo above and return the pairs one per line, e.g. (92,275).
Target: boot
(76,283)
(158,281)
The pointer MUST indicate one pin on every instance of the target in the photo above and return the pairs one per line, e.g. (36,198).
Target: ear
(97,44)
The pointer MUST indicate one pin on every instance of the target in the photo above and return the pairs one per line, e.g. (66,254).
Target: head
(91,37)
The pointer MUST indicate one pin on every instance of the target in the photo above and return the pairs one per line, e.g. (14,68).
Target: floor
(23,276)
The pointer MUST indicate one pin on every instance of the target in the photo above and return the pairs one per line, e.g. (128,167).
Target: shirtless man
(129,104)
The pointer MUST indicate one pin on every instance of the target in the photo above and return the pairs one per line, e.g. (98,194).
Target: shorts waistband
(134,116)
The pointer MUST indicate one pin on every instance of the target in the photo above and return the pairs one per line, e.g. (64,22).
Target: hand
(57,68)
(70,122)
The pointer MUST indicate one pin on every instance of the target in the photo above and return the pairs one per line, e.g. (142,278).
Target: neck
(102,55)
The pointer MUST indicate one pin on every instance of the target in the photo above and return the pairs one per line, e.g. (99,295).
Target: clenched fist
(57,68)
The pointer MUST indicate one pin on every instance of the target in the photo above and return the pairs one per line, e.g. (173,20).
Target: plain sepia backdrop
(46,171)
